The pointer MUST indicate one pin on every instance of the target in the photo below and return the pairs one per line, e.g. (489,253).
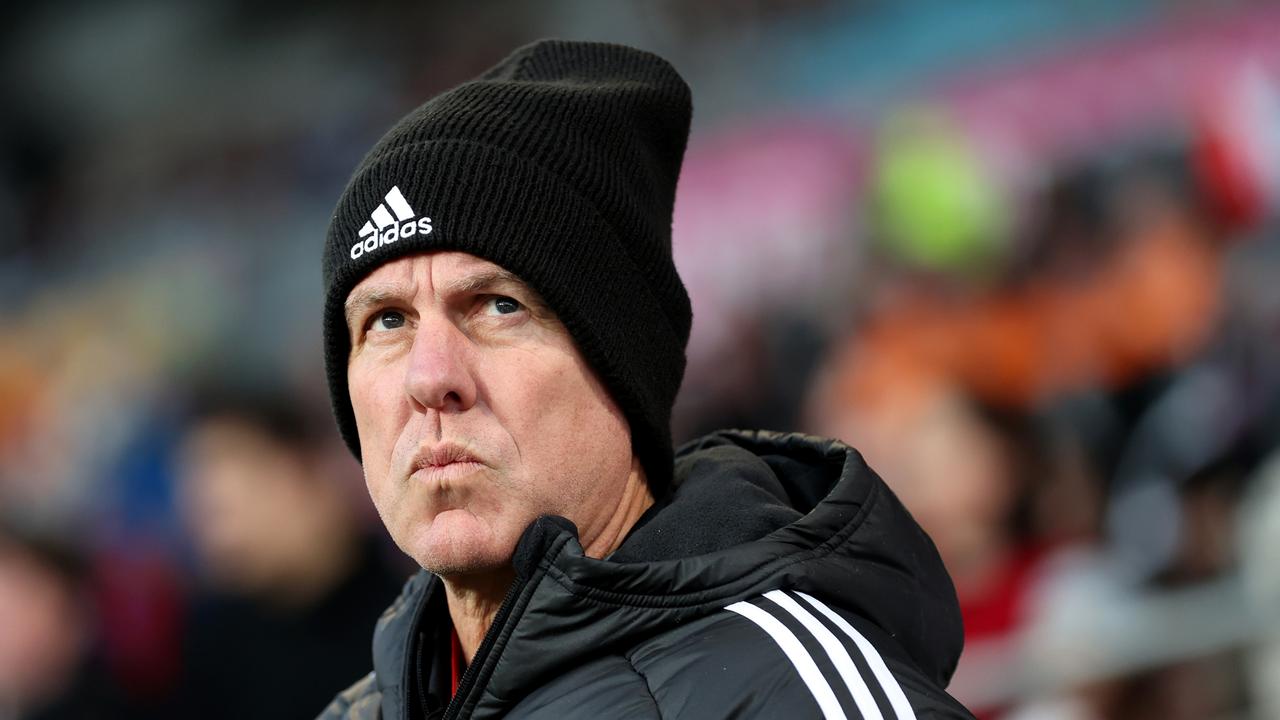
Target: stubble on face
(477,414)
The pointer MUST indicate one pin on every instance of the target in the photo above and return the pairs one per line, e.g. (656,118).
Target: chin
(459,546)
(469,561)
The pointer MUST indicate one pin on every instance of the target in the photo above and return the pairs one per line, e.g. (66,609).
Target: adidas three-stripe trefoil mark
(836,651)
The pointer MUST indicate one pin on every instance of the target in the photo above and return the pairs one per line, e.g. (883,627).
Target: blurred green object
(937,210)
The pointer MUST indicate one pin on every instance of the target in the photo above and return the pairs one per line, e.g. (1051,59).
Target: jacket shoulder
(786,652)
(361,701)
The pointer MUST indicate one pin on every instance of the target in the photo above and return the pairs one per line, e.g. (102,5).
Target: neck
(635,499)
(474,598)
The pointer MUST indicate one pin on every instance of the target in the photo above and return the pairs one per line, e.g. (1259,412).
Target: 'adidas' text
(384,228)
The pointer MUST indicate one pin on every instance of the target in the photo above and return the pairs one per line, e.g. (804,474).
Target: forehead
(433,267)
(440,273)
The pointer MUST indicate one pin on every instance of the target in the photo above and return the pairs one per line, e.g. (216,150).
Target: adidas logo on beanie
(389,229)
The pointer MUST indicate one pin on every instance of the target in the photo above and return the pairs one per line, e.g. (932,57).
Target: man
(505,335)
(292,581)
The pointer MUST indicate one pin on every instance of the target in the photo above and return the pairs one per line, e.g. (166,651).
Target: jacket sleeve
(361,701)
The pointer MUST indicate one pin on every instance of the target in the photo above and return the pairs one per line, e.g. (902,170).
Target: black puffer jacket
(783,579)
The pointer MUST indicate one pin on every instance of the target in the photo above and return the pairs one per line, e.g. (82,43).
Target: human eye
(501,305)
(387,320)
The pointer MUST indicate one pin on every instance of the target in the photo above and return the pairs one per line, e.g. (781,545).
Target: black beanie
(559,164)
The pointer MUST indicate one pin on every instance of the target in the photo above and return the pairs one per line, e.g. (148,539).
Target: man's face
(476,412)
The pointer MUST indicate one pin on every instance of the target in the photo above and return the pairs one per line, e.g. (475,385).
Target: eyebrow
(483,281)
(498,279)
(361,300)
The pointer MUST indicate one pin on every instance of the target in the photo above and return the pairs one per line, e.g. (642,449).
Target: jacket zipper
(486,645)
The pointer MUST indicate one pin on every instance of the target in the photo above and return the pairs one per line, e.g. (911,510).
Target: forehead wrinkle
(496,279)
(484,280)
(491,278)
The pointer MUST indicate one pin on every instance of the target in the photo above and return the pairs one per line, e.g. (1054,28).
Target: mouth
(446,461)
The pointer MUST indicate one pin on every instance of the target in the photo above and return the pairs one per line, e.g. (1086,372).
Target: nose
(439,376)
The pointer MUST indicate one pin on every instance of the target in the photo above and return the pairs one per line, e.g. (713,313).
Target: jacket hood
(750,512)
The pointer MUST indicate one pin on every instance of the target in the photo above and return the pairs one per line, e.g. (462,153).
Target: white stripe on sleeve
(892,689)
(798,656)
(835,650)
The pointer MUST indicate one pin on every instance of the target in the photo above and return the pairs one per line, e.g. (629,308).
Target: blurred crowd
(1024,256)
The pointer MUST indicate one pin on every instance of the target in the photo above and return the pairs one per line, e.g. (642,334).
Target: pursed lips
(444,461)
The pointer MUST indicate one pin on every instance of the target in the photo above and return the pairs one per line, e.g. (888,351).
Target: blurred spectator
(50,667)
(999,492)
(1108,319)
(294,585)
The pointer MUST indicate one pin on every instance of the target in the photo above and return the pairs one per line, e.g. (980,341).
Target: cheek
(373,402)
(572,438)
